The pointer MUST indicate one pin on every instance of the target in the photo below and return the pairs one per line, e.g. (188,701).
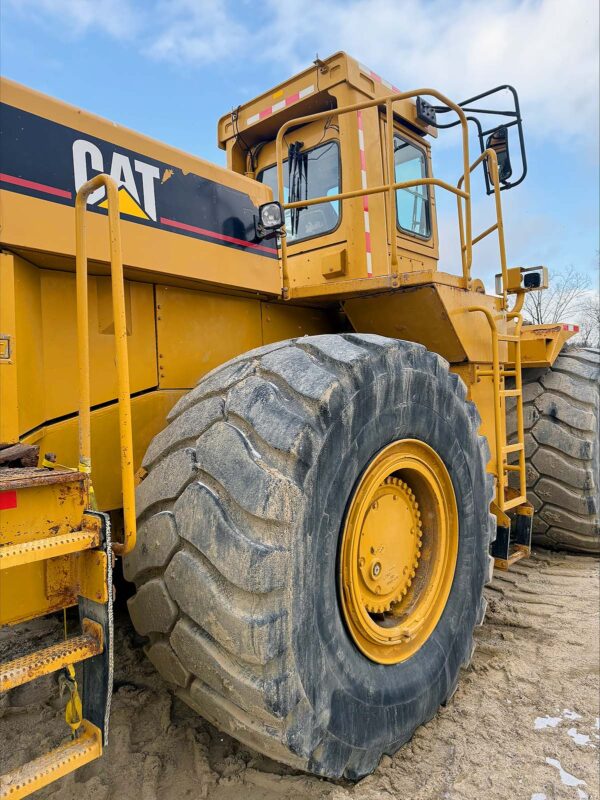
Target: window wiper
(298,181)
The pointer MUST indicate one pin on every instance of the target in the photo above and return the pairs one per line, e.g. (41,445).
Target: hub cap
(398,551)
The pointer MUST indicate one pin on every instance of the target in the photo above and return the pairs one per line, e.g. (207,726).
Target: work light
(270,216)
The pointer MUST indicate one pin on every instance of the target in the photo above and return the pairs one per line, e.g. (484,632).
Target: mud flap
(98,671)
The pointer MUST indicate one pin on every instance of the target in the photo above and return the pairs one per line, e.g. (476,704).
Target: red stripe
(368,241)
(8,500)
(292,99)
(221,236)
(574,328)
(359,115)
(39,187)
(264,113)
(366,203)
(363,161)
(376,77)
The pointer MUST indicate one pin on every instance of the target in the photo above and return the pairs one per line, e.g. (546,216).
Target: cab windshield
(311,173)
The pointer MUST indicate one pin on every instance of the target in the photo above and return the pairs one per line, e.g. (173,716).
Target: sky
(171,68)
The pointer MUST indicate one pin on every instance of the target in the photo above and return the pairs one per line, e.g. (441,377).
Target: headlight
(270,216)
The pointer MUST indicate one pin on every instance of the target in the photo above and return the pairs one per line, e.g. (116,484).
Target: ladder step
(514,502)
(15,555)
(38,773)
(50,659)
(510,392)
(506,337)
(513,448)
(503,373)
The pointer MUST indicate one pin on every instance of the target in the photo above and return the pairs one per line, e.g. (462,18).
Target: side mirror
(498,141)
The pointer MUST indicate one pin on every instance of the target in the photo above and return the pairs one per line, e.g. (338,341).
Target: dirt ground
(523,723)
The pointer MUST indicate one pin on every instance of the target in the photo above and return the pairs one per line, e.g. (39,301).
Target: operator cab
(335,247)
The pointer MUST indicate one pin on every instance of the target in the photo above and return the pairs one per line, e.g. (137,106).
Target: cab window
(315,173)
(412,204)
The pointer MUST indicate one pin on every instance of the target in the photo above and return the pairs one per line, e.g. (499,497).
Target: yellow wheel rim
(398,551)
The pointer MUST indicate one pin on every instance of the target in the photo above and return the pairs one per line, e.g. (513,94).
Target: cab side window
(412,204)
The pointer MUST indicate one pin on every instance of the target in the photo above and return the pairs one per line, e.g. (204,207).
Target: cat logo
(130,178)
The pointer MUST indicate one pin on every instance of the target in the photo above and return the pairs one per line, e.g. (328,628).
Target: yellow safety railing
(121,354)
(463,195)
(498,373)
(467,249)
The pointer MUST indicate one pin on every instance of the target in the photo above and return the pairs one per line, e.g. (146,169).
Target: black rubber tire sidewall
(364,704)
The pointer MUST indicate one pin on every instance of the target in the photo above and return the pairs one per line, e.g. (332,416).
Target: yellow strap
(73,709)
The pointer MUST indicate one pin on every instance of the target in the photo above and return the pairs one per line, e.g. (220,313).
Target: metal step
(50,659)
(38,773)
(16,555)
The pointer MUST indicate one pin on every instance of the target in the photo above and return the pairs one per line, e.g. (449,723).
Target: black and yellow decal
(50,161)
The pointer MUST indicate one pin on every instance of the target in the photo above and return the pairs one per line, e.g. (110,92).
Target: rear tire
(561,409)
(240,520)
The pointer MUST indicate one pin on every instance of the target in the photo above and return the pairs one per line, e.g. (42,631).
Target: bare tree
(589,323)
(561,302)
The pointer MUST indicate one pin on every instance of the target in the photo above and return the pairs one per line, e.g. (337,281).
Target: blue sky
(170,68)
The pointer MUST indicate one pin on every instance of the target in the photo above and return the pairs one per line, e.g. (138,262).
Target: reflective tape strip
(280,105)
(8,500)
(572,328)
(378,79)
(363,183)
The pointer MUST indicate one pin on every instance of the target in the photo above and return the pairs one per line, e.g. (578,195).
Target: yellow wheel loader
(254,384)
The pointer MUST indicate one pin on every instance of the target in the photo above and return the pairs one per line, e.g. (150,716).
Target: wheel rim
(398,551)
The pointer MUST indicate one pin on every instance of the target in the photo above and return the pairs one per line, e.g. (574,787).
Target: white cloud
(194,32)
(118,18)
(547,48)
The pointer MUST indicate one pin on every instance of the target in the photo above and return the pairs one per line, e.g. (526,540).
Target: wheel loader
(307,442)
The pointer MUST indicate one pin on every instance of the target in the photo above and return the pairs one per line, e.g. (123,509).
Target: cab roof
(308,93)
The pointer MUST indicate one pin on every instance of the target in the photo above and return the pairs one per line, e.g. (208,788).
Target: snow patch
(579,738)
(566,777)
(546,722)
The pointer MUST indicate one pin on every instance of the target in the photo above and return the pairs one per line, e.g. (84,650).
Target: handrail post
(392,214)
(285,276)
(121,353)
(497,410)
(493,160)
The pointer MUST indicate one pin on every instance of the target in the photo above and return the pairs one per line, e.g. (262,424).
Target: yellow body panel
(145,248)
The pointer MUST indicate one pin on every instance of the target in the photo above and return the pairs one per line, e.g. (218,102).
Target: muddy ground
(523,723)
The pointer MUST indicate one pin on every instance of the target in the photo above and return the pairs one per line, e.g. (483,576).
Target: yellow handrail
(492,160)
(497,372)
(121,354)
(390,186)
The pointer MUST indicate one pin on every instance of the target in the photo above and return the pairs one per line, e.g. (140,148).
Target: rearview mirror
(498,141)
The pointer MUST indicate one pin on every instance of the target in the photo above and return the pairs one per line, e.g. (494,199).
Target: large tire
(561,407)
(239,526)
